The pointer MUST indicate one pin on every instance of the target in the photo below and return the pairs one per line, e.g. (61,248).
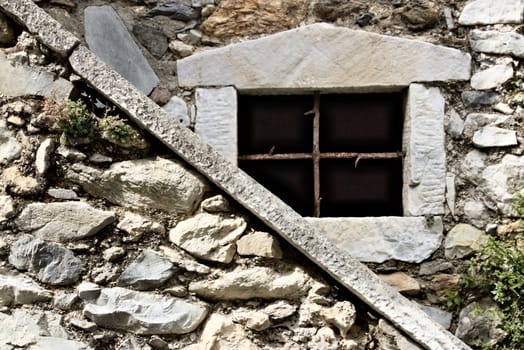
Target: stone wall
(483,150)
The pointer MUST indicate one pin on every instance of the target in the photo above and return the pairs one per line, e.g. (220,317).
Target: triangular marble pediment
(323,56)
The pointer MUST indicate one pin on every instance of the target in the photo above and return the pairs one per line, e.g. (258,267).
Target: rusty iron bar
(325,155)
(316,154)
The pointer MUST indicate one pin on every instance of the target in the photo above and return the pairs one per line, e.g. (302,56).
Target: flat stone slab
(377,239)
(424,175)
(38,22)
(492,77)
(492,41)
(107,36)
(16,289)
(492,12)
(14,78)
(143,313)
(63,221)
(353,275)
(491,136)
(323,57)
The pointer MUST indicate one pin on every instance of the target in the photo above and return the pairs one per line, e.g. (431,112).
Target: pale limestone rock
(62,193)
(259,244)
(450,192)
(255,320)
(492,136)
(476,213)
(402,282)
(136,226)
(475,121)
(64,301)
(88,291)
(148,271)
(144,183)
(18,289)
(503,108)
(454,124)
(143,313)
(492,12)
(113,253)
(251,17)
(492,41)
(216,119)
(463,240)
(480,324)
(424,173)
(51,263)
(442,317)
(107,36)
(208,236)
(410,239)
(10,148)
(180,48)
(63,221)
(323,56)
(500,182)
(215,204)
(14,78)
(324,339)
(492,77)
(342,315)
(280,310)
(221,333)
(473,165)
(254,282)
(180,258)
(42,155)
(177,109)
(7,209)
(18,183)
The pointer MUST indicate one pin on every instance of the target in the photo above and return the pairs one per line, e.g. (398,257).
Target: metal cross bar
(323,155)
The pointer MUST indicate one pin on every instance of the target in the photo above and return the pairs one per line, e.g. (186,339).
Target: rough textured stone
(216,120)
(473,165)
(425,160)
(175,10)
(451,192)
(136,226)
(215,204)
(492,12)
(220,232)
(499,182)
(475,121)
(402,282)
(492,77)
(182,259)
(254,282)
(14,78)
(63,221)
(323,56)
(383,238)
(35,330)
(16,183)
(108,38)
(153,39)
(250,17)
(388,337)
(267,207)
(491,136)
(420,16)
(476,213)
(180,48)
(221,333)
(39,23)
(7,209)
(442,317)
(477,99)
(62,193)
(18,289)
(149,270)
(259,244)
(177,109)
(492,41)
(144,183)
(454,124)
(280,310)
(51,263)
(479,324)
(463,240)
(88,291)
(143,313)
(10,148)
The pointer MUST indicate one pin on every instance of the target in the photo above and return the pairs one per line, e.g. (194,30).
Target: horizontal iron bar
(325,155)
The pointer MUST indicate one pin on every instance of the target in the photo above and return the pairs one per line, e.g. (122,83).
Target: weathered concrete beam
(352,274)
(48,31)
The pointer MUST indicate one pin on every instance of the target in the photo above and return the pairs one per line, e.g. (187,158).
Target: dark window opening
(326,155)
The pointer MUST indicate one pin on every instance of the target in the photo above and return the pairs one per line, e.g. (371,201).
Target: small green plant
(453,299)
(497,270)
(76,120)
(117,129)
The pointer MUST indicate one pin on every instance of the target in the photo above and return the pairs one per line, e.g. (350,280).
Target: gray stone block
(324,57)
(108,38)
(425,154)
(216,120)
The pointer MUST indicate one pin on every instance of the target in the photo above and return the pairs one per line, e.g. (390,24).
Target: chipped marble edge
(49,31)
(262,203)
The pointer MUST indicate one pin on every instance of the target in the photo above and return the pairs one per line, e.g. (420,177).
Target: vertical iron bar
(316,154)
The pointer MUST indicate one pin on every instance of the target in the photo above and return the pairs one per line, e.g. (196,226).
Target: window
(326,154)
